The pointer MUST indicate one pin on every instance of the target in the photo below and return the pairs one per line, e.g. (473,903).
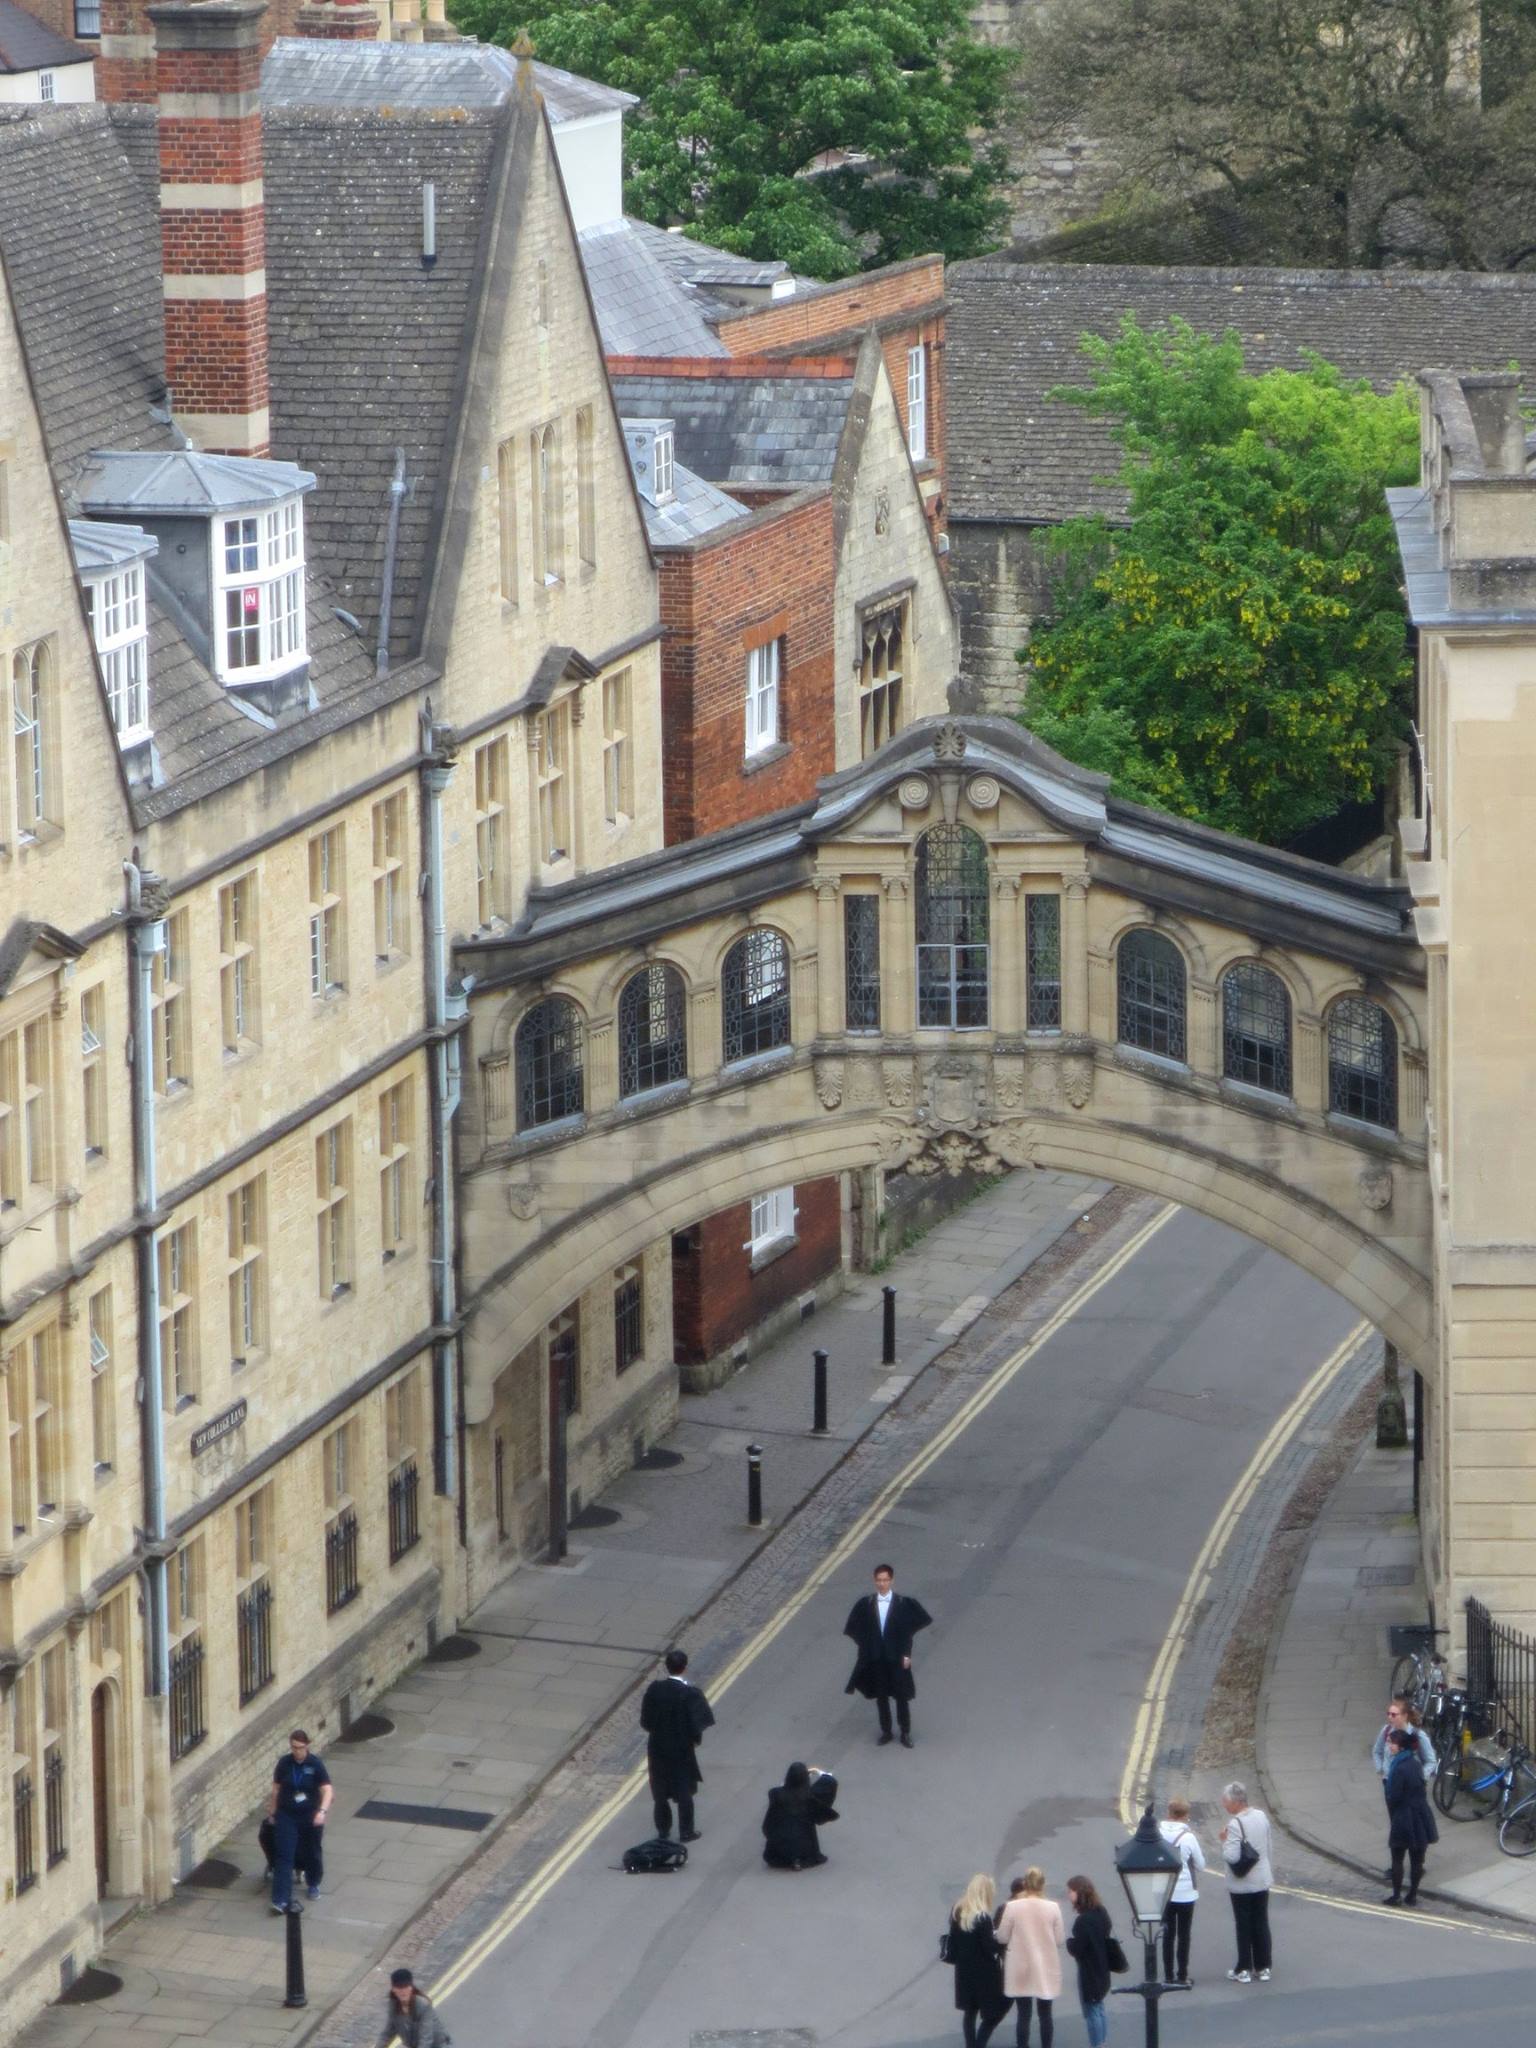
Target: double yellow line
(550,1872)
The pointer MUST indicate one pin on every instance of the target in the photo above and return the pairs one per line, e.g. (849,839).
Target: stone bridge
(963,953)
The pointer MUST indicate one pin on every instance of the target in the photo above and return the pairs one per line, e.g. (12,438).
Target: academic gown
(674,1715)
(878,1665)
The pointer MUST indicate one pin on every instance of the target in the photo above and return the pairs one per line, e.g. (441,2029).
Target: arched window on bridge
(1256,1028)
(549,1063)
(754,996)
(952,934)
(1151,992)
(653,1032)
(1362,1062)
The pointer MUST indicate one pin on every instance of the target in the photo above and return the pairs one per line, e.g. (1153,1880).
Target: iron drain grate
(1386,1575)
(765,2037)
(424,1816)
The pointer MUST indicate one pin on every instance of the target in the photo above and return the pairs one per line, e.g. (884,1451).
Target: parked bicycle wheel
(1517,1830)
(1468,1786)
(1408,1678)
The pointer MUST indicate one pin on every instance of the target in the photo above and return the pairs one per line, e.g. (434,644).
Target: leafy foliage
(740,97)
(1239,653)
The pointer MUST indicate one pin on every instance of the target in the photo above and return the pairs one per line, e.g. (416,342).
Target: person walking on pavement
(1401,1713)
(297,1804)
(410,2016)
(1412,1827)
(978,1962)
(1245,1846)
(1088,1945)
(882,1625)
(1179,1920)
(1030,1929)
(674,1714)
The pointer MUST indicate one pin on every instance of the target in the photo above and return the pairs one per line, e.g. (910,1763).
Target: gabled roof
(26,936)
(782,431)
(305,72)
(1014,331)
(27,44)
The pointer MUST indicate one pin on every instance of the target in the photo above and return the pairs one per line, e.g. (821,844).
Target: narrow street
(1052,1540)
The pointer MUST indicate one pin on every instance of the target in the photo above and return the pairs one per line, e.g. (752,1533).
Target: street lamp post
(1149,1870)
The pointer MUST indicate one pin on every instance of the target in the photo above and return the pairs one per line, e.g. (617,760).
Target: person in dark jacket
(410,2017)
(796,1809)
(674,1714)
(978,1962)
(882,1626)
(1088,1945)
(1411,1823)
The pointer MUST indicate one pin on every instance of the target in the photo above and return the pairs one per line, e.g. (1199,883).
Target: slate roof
(98,544)
(746,430)
(1013,332)
(184,480)
(299,71)
(27,44)
(643,308)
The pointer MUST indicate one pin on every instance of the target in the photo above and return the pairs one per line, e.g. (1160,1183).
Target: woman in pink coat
(1032,1936)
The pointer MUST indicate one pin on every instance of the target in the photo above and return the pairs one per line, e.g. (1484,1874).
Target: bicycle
(1486,1786)
(1419,1673)
(1517,1830)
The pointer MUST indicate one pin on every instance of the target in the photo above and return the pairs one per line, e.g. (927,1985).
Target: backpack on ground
(657,1854)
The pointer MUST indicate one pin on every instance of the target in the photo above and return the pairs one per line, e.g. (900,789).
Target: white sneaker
(1241,1976)
(1263,1976)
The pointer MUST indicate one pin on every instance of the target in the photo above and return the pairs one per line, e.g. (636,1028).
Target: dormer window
(651,458)
(122,642)
(663,470)
(261,591)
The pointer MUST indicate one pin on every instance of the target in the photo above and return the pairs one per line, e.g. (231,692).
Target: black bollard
(295,1934)
(755,1485)
(819,1393)
(888,1332)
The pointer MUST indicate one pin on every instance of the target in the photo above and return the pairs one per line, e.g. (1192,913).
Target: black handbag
(1114,1955)
(1247,1856)
(947,1946)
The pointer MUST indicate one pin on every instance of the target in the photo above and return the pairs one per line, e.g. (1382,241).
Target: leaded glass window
(861,962)
(1151,989)
(549,1064)
(653,1033)
(1362,1062)
(1042,949)
(952,929)
(754,996)
(1256,1028)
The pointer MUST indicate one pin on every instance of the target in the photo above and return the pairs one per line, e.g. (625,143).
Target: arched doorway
(101,1785)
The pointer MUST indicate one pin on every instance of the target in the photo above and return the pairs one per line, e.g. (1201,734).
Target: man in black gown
(882,1625)
(674,1714)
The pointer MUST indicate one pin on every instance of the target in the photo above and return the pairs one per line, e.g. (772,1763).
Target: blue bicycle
(1471,1787)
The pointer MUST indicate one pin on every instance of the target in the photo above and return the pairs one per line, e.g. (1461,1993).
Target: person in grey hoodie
(1248,1828)
(410,2016)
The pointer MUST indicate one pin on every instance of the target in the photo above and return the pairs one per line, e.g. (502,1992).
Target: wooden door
(101,1784)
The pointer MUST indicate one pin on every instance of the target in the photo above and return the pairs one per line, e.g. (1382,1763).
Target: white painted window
(763,698)
(663,473)
(259,570)
(917,401)
(773,1220)
(121,633)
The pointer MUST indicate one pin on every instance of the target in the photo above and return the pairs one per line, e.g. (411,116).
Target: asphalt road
(1051,1542)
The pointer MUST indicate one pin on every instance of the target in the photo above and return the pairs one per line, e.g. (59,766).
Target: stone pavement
(553,1649)
(1325,1693)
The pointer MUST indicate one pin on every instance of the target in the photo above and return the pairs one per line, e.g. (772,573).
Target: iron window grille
(953,955)
(1362,1062)
(253,1615)
(754,988)
(404,1509)
(342,1583)
(1042,961)
(1256,1028)
(21,1831)
(861,962)
(653,1032)
(549,1064)
(499,1477)
(1150,972)
(55,1807)
(628,1319)
(189,1723)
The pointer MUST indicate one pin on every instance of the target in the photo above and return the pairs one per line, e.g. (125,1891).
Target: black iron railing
(499,1459)
(341,1580)
(54,1810)
(189,1724)
(253,1613)
(21,1812)
(404,1522)
(1501,1670)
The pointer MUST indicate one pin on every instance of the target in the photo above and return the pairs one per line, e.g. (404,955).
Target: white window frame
(664,470)
(327,914)
(491,775)
(618,776)
(917,402)
(259,624)
(237,963)
(764,666)
(47,88)
(120,629)
(773,1218)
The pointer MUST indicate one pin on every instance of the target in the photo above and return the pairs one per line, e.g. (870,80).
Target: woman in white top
(1247,1829)
(1179,1920)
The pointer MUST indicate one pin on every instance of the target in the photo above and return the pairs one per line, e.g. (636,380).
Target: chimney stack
(213,220)
(126,69)
(336,21)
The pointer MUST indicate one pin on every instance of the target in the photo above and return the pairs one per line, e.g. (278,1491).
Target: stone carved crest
(949,742)
(829,1083)
(912,793)
(983,791)
(523,1199)
(957,1152)
(1375,1185)
(882,513)
(953,1094)
(221,1461)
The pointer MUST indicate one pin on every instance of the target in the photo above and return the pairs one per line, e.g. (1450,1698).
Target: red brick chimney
(213,220)
(126,67)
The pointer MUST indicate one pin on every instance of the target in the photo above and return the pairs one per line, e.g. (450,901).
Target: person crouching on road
(1088,1944)
(410,2017)
(978,1962)
(1245,1836)
(1401,1713)
(1179,1920)
(796,1809)
(1412,1825)
(1030,1929)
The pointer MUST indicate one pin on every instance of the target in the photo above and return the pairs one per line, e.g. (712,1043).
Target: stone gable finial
(949,742)
(522,50)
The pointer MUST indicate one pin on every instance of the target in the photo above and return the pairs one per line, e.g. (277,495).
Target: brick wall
(828,310)
(717,1298)
(771,579)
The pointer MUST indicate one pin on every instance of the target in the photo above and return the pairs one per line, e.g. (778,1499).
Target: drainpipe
(391,545)
(446,1008)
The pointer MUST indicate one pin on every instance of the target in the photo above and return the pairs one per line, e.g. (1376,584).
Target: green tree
(740,98)
(1238,653)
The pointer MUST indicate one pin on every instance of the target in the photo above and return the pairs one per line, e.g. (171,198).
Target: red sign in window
(251,602)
